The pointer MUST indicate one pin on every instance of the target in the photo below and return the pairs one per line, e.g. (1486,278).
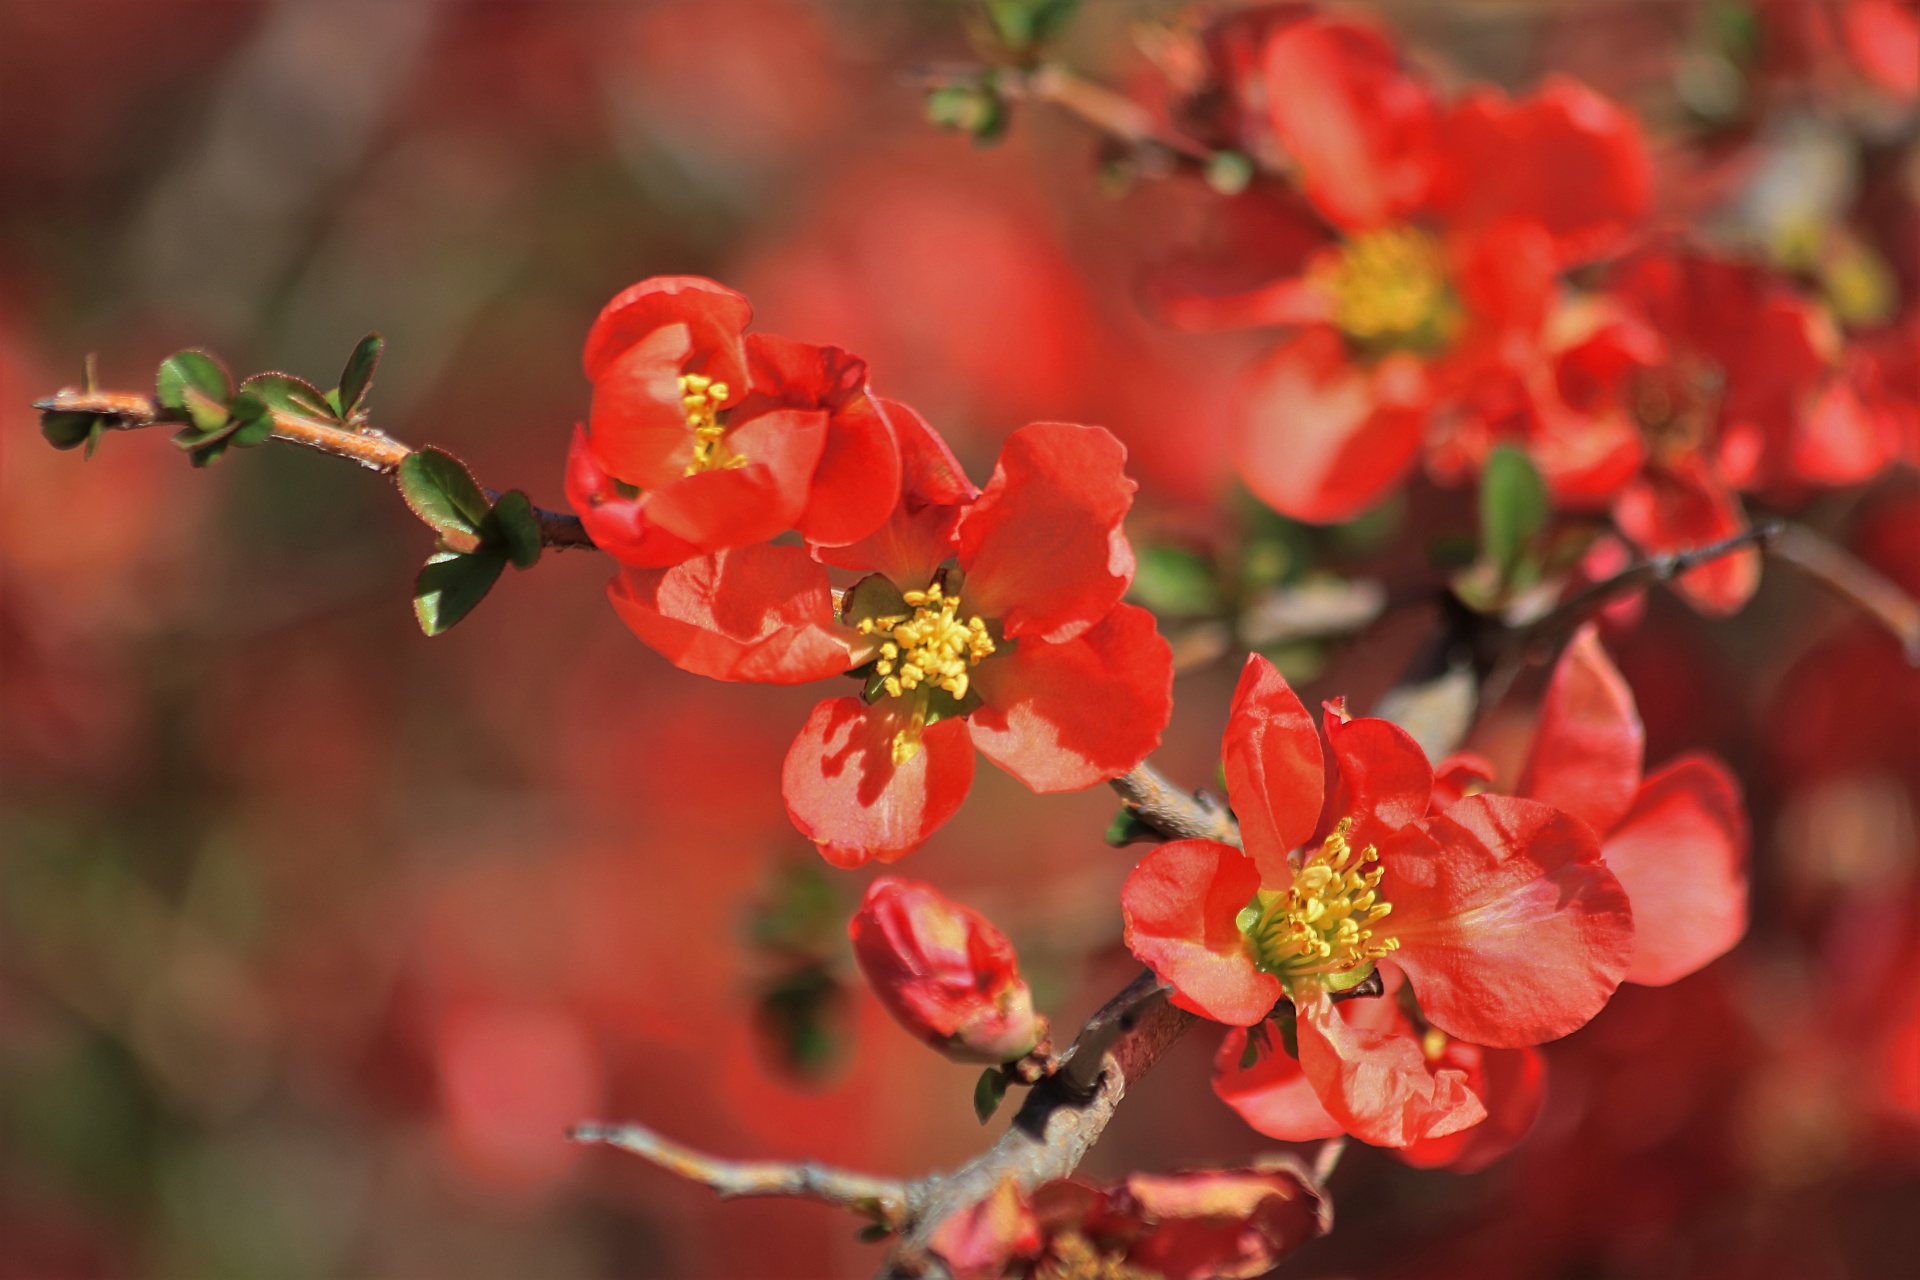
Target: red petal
(733,506)
(1274,1095)
(857,481)
(1461,774)
(1043,547)
(978,1242)
(918,537)
(1376,1083)
(1511,1084)
(617,523)
(1060,717)
(1883,39)
(715,317)
(845,793)
(1322,439)
(1276,774)
(1357,122)
(1180,904)
(1681,854)
(640,431)
(1386,781)
(761,613)
(1678,508)
(1564,156)
(1224,1225)
(1585,758)
(1512,930)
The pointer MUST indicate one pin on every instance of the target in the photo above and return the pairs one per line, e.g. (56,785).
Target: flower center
(931,646)
(1389,286)
(1676,405)
(1323,923)
(702,397)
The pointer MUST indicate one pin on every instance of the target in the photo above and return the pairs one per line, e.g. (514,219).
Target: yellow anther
(1389,285)
(1323,921)
(931,646)
(1433,1044)
(702,397)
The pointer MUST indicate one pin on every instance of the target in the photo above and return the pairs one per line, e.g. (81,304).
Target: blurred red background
(316,934)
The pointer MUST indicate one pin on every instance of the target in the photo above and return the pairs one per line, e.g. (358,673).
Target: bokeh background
(316,934)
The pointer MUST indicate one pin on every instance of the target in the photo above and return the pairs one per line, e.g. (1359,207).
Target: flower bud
(944,972)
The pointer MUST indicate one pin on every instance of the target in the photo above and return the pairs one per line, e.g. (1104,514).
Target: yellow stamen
(931,646)
(702,397)
(1389,285)
(1324,921)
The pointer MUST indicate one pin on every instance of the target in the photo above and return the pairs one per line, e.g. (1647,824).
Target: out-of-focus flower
(1507,925)
(704,438)
(1677,840)
(1272,1093)
(1209,1224)
(1449,227)
(1693,379)
(944,972)
(1020,646)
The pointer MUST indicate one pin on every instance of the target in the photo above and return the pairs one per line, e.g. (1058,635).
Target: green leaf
(987,1092)
(442,492)
(207,413)
(874,596)
(873,1233)
(195,370)
(254,421)
(451,584)
(511,524)
(1128,828)
(1023,24)
(357,378)
(65,430)
(1513,507)
(1176,583)
(284,393)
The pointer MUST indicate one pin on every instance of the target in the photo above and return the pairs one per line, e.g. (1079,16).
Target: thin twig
(1538,640)
(882,1199)
(127,411)
(1111,113)
(1173,812)
(1852,580)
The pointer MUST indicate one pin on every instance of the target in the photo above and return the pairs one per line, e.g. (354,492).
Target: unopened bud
(944,972)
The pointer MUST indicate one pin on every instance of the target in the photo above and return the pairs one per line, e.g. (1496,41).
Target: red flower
(1225,1224)
(1677,840)
(944,972)
(1273,1094)
(703,437)
(990,619)
(1507,926)
(1449,226)
(1691,381)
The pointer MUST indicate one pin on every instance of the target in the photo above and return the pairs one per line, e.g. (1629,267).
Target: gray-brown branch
(375,450)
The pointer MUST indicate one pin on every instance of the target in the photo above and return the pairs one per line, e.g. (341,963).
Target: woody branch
(372,449)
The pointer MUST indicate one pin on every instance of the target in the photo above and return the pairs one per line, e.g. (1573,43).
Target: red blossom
(1439,232)
(990,620)
(1500,1090)
(1509,929)
(703,437)
(1677,839)
(944,972)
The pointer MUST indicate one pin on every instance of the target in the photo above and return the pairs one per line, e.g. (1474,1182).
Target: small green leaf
(357,378)
(512,525)
(67,430)
(442,492)
(1176,583)
(873,1233)
(1513,507)
(450,584)
(987,1092)
(1128,828)
(196,370)
(874,596)
(93,437)
(1229,172)
(1023,24)
(205,455)
(207,413)
(284,393)
(254,419)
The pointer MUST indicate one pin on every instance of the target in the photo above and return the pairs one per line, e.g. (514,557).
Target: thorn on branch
(1173,813)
